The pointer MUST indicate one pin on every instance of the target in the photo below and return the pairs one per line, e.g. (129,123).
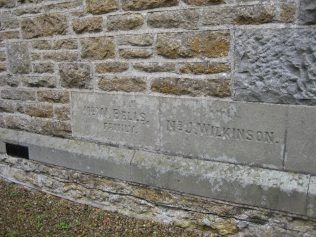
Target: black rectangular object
(17,150)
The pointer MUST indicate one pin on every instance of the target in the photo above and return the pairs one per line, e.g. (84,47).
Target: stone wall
(173,66)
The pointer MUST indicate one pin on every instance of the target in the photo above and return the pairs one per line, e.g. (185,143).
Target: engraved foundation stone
(224,131)
(118,119)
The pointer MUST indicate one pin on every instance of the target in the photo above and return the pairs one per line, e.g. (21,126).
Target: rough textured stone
(89,24)
(7,106)
(307,14)
(43,67)
(192,87)
(111,67)
(125,22)
(209,44)
(135,53)
(4,35)
(276,66)
(9,24)
(101,6)
(18,94)
(36,110)
(56,128)
(60,56)
(134,5)
(311,201)
(7,3)
(136,40)
(204,68)
(203,2)
(75,75)
(118,119)
(3,67)
(53,96)
(44,25)
(187,19)
(39,81)
(155,67)
(62,112)
(65,44)
(97,48)
(240,15)
(19,58)
(301,136)
(122,83)
(288,12)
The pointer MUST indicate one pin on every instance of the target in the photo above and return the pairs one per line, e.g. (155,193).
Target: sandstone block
(136,40)
(62,112)
(44,25)
(135,5)
(307,12)
(239,15)
(125,22)
(7,3)
(101,6)
(111,67)
(288,12)
(204,68)
(203,2)
(18,94)
(135,53)
(191,87)
(39,81)
(186,19)
(211,44)
(122,83)
(36,110)
(98,48)
(19,58)
(75,75)
(65,44)
(56,128)
(89,24)
(60,56)
(43,67)
(7,106)
(53,96)
(275,65)
(155,67)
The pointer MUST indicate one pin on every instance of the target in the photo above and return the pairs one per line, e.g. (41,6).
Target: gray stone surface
(301,139)
(225,131)
(255,186)
(275,65)
(19,59)
(2,148)
(311,201)
(130,120)
(307,13)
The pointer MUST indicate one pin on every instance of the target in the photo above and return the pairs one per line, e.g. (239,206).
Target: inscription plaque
(117,119)
(225,131)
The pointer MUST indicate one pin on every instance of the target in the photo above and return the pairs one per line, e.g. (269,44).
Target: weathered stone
(7,106)
(60,56)
(75,75)
(4,35)
(203,2)
(131,53)
(204,68)
(240,15)
(56,128)
(288,12)
(240,184)
(8,80)
(44,25)
(27,123)
(128,21)
(36,110)
(39,81)
(89,24)
(98,48)
(187,19)
(3,149)
(9,24)
(62,112)
(275,65)
(155,67)
(117,119)
(28,10)
(7,3)
(3,67)
(136,40)
(59,6)
(192,87)
(111,67)
(307,12)
(224,131)
(301,135)
(311,201)
(42,44)
(134,5)
(101,6)
(43,67)
(65,44)
(18,94)
(122,83)
(209,44)
(22,2)
(19,58)
(53,96)
(3,56)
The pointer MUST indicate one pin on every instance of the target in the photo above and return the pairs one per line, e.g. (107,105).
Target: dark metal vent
(17,150)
